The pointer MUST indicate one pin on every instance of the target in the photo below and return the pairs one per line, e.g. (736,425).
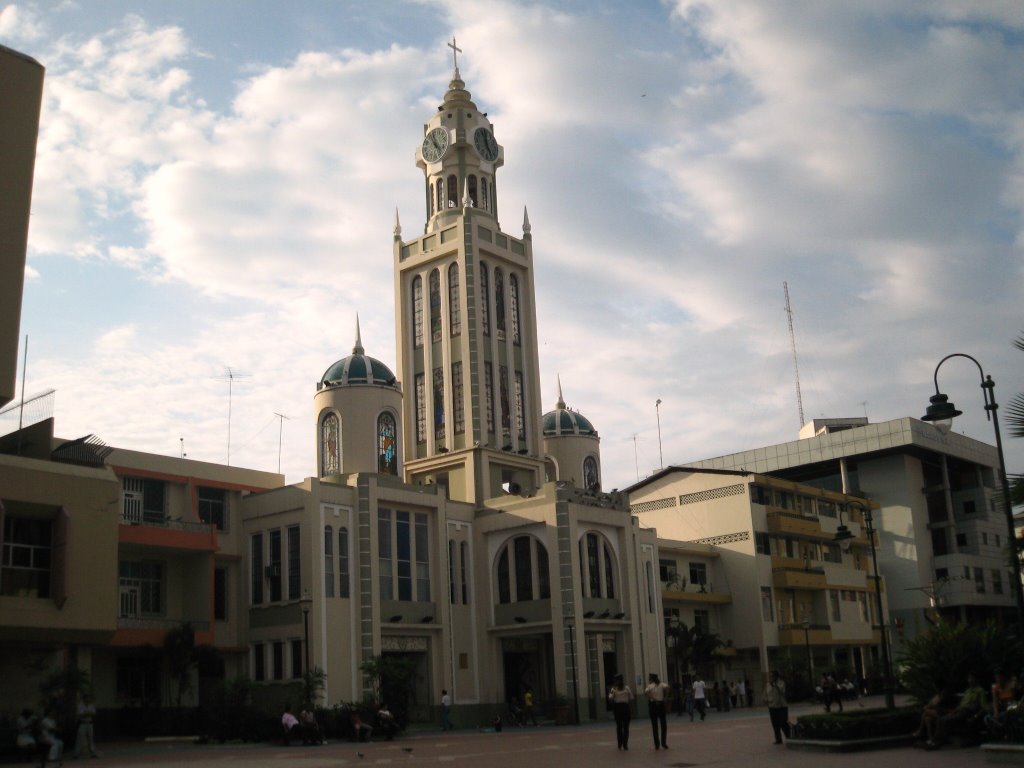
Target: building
(754,560)
(19,126)
(942,531)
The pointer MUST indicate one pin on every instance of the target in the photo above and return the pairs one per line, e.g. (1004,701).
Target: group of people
(41,734)
(306,728)
(831,691)
(975,709)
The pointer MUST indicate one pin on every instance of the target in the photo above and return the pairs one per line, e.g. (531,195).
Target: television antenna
(230,376)
(281,419)
(796,365)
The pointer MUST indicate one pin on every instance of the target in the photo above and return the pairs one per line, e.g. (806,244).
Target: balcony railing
(164,521)
(136,622)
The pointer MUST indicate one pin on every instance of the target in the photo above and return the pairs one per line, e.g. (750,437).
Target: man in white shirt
(699,699)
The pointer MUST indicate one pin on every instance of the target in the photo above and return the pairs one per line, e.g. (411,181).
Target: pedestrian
(741,693)
(84,740)
(656,692)
(446,710)
(620,697)
(700,699)
(26,725)
(48,738)
(528,706)
(778,708)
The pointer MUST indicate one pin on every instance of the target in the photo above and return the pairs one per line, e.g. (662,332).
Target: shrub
(859,724)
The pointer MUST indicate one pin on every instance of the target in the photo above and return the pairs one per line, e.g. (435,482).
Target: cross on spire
(455,52)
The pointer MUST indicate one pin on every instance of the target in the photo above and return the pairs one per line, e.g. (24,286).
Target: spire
(398,225)
(465,193)
(358,348)
(560,405)
(527,229)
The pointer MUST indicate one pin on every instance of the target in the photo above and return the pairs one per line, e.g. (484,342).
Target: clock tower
(466,319)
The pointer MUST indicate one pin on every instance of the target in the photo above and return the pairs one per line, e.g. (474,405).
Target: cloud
(20,24)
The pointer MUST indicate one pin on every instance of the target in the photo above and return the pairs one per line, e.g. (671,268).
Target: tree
(313,681)
(180,652)
(393,678)
(693,647)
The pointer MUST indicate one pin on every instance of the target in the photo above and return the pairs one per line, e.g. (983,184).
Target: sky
(216,186)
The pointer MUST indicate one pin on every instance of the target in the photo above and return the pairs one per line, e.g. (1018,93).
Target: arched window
(343,575)
(387,444)
(597,566)
(454,308)
(439,194)
(499,303)
(471,180)
(513,291)
(430,199)
(591,477)
(484,197)
(328,561)
(417,311)
(485,300)
(330,445)
(522,571)
(435,305)
(453,192)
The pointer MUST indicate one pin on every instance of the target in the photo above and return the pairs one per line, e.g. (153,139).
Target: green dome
(358,368)
(562,422)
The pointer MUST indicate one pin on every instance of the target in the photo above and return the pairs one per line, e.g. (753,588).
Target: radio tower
(792,343)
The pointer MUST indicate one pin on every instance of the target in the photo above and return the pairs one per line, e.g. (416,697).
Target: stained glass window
(590,475)
(499,303)
(458,413)
(513,290)
(438,390)
(328,561)
(343,577)
(421,409)
(440,195)
(484,201)
(506,411)
(489,395)
(330,447)
(435,306)
(387,453)
(453,192)
(520,420)
(472,190)
(454,307)
(417,311)
(485,301)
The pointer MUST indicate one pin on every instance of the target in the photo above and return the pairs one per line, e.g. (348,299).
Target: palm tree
(694,648)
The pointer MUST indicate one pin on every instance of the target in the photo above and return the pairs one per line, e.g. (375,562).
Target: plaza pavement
(738,739)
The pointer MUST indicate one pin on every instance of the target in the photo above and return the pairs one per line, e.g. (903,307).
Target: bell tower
(466,319)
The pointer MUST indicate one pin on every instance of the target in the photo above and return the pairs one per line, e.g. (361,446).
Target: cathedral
(449,521)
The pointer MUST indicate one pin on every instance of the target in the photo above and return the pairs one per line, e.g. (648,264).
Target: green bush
(858,724)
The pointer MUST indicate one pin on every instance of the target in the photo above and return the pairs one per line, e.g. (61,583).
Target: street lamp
(572,657)
(306,603)
(806,623)
(844,537)
(941,413)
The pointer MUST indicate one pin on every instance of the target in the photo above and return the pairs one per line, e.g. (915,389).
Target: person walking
(84,740)
(700,699)
(656,692)
(620,697)
(446,710)
(778,708)
(528,706)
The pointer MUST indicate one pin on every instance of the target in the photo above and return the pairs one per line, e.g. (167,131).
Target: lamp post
(941,413)
(572,657)
(306,602)
(844,538)
(806,623)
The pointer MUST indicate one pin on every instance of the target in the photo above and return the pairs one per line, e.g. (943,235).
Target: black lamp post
(306,602)
(844,537)
(941,413)
(807,644)
(572,657)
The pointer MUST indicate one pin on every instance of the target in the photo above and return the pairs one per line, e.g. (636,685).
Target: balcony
(160,531)
(152,631)
(795,525)
(694,594)
(794,578)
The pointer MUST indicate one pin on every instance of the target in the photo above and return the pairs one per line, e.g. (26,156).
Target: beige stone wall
(358,407)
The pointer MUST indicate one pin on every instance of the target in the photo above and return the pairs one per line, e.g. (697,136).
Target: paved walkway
(738,739)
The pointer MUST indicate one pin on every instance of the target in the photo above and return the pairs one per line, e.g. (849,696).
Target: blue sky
(216,184)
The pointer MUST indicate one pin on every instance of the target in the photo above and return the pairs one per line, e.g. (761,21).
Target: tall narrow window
(489,395)
(499,303)
(259,671)
(403,555)
(453,191)
(343,567)
(220,594)
(421,409)
(422,557)
(387,591)
(296,646)
(543,578)
(438,390)
(417,311)
(471,182)
(277,659)
(328,561)
(484,197)
(256,562)
(294,564)
(485,300)
(464,566)
(454,306)
(458,412)
(609,573)
(524,568)
(520,418)
(435,305)
(649,571)
(440,195)
(451,571)
(591,478)
(506,414)
(430,199)
(275,566)
(387,444)
(330,448)
(513,293)
(593,565)
(504,584)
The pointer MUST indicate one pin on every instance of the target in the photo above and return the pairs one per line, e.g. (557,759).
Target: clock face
(485,144)
(435,144)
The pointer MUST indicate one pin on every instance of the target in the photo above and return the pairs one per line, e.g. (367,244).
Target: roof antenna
(230,377)
(796,366)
